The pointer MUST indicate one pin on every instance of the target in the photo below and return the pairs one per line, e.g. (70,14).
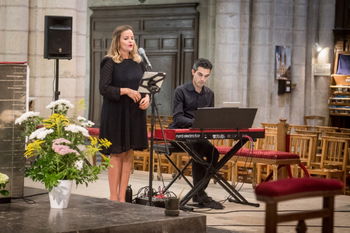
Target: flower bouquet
(4,179)
(60,147)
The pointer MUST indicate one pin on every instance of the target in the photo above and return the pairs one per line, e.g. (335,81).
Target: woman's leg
(114,175)
(125,174)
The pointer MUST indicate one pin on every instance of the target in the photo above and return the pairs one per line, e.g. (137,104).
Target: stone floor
(235,217)
(90,214)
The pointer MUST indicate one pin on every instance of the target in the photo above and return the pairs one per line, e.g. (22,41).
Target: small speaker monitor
(58,37)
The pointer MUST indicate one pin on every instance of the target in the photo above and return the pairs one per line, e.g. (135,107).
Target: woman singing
(123,117)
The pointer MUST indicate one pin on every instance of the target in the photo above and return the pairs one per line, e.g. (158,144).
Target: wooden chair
(140,160)
(337,134)
(325,129)
(305,146)
(289,189)
(334,158)
(344,130)
(225,171)
(295,128)
(269,142)
(314,120)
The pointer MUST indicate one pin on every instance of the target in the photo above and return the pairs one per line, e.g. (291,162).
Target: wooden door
(169,35)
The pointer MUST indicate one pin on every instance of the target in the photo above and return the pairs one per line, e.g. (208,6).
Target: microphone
(145,58)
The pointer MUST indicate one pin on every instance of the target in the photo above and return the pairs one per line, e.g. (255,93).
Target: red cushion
(94,131)
(224,149)
(296,185)
(268,154)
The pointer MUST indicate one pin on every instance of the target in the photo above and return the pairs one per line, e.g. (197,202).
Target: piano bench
(289,189)
(276,159)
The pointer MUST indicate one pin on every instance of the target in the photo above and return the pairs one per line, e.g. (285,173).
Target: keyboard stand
(213,172)
(168,148)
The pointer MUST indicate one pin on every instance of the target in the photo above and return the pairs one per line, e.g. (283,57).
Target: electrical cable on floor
(258,211)
(26,199)
(261,225)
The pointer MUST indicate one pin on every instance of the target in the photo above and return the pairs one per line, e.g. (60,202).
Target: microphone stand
(153,89)
(153,107)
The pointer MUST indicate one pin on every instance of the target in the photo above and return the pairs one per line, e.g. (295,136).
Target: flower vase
(59,195)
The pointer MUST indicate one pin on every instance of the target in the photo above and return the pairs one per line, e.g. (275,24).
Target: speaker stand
(57,70)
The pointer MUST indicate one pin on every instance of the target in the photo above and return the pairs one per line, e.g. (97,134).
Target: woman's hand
(144,103)
(134,95)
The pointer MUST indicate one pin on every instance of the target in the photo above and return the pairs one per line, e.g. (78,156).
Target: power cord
(258,211)
(26,198)
(260,225)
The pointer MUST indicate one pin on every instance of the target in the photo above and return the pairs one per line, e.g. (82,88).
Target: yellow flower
(33,148)
(105,143)
(56,120)
(93,141)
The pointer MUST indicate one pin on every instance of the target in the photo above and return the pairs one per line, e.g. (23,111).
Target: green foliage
(4,179)
(61,147)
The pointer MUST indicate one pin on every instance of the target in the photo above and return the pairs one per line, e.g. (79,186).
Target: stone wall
(239,36)
(22,39)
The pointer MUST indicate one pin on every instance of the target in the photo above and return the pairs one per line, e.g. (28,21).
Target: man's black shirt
(187,101)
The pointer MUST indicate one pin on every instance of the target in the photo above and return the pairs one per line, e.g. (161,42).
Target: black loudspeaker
(58,37)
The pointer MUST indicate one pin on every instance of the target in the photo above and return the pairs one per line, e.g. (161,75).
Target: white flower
(40,133)
(60,104)
(3,178)
(87,124)
(79,164)
(25,117)
(77,129)
(81,147)
(84,122)
(80,118)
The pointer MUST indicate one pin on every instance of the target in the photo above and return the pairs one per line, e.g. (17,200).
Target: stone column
(299,54)
(323,17)
(262,84)
(14,17)
(231,51)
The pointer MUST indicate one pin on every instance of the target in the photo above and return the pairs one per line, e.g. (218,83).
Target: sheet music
(156,77)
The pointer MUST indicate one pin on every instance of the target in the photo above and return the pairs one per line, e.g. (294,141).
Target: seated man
(189,97)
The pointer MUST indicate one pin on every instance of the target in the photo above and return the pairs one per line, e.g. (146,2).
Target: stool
(276,159)
(288,189)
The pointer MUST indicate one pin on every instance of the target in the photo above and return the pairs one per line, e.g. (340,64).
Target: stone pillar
(323,18)
(262,86)
(299,55)
(231,51)
(14,18)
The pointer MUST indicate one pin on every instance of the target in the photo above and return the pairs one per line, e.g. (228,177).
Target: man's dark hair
(202,62)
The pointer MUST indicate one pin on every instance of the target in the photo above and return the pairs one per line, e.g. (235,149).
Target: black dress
(122,121)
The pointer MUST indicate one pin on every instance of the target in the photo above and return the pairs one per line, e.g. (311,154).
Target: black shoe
(203,197)
(211,204)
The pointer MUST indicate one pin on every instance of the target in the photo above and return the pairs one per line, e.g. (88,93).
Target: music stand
(150,84)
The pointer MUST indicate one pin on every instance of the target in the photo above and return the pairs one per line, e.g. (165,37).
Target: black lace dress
(122,121)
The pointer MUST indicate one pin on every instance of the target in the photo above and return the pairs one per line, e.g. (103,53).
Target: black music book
(224,118)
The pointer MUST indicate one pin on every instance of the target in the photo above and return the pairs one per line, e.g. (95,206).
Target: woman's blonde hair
(113,50)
